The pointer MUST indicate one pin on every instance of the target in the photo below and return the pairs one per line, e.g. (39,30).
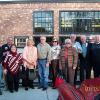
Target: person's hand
(31,64)
(5,71)
(34,67)
(47,64)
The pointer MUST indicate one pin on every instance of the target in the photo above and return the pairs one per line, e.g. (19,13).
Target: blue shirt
(84,49)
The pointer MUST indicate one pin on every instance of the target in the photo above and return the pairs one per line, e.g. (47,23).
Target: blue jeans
(43,72)
(0,74)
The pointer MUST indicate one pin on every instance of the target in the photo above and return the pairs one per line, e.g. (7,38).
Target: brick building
(23,18)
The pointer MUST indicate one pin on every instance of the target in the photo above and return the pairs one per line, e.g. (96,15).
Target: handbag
(32,74)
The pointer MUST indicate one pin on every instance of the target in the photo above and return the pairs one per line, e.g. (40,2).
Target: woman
(30,60)
(68,61)
(55,50)
(12,64)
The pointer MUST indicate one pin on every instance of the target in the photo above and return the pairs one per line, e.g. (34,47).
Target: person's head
(13,48)
(68,43)
(43,39)
(55,42)
(83,38)
(92,39)
(30,42)
(9,40)
(73,37)
(97,38)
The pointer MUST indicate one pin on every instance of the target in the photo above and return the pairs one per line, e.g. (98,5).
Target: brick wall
(16,19)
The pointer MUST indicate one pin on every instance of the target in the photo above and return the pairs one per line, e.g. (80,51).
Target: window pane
(43,22)
(80,22)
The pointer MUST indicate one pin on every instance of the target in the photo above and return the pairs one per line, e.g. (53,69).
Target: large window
(79,22)
(43,22)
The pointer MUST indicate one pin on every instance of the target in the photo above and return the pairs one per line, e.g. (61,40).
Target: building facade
(22,19)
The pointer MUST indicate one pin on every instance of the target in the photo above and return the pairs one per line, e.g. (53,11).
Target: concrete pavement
(31,94)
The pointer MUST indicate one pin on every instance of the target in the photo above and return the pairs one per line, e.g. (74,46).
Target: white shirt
(55,51)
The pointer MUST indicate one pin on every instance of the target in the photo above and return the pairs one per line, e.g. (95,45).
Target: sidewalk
(31,94)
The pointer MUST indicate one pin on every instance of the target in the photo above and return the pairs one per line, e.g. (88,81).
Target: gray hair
(68,41)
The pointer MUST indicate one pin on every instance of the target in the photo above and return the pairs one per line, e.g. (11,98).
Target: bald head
(83,38)
(92,39)
(43,39)
(9,40)
(73,37)
(97,38)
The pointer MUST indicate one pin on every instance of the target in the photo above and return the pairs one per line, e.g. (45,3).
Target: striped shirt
(11,63)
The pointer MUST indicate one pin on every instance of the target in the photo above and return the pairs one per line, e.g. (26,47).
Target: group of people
(74,55)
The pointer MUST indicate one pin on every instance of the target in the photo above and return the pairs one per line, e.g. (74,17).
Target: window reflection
(79,22)
(43,21)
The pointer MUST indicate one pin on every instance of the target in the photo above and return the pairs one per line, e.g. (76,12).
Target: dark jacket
(96,54)
(5,48)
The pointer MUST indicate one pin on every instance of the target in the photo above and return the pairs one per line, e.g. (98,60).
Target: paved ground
(31,94)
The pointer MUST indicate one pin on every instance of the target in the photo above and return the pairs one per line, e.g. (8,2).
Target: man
(1,56)
(44,57)
(82,57)
(89,56)
(96,56)
(5,49)
(75,43)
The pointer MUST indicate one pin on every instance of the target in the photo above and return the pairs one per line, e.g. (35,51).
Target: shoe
(53,87)
(40,87)
(32,87)
(16,90)
(26,88)
(45,88)
(0,92)
(11,91)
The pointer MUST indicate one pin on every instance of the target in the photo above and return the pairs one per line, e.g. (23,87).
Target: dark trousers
(83,66)
(54,69)
(96,69)
(12,81)
(26,82)
(88,71)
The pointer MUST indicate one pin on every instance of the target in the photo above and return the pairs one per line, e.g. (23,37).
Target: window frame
(43,33)
(20,37)
(78,33)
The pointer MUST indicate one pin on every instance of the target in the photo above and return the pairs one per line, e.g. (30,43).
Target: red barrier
(88,90)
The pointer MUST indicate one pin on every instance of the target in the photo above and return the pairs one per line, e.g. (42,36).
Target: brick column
(56,23)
